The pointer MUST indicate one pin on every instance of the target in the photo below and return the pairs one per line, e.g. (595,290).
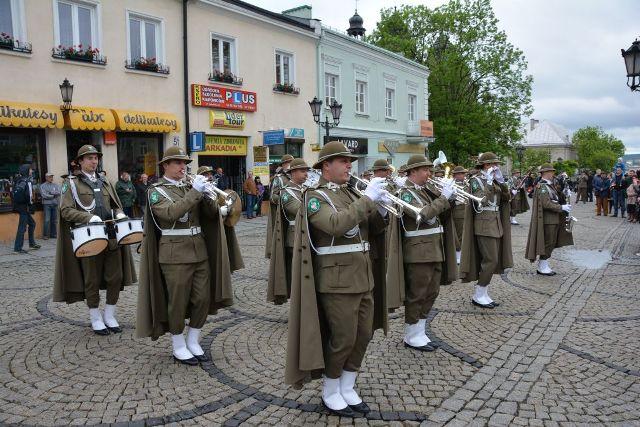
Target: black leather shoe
(191,362)
(427,347)
(104,331)
(477,304)
(346,412)
(495,304)
(553,273)
(202,357)
(36,246)
(361,407)
(114,329)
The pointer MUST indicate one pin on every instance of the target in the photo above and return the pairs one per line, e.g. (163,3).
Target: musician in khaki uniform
(548,217)
(332,316)
(486,241)
(459,175)
(279,287)
(177,210)
(519,203)
(86,198)
(422,249)
(280,179)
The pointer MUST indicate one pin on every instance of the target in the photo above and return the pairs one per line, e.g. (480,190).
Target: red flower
(80,45)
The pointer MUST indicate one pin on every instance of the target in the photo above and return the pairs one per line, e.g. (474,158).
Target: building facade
(545,135)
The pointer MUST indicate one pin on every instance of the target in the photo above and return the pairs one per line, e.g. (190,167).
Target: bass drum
(236,207)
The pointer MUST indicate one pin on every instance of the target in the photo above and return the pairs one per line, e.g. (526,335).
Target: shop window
(76,31)
(12,26)
(139,153)
(146,44)
(18,147)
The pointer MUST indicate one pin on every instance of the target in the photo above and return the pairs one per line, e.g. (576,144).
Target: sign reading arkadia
(216,145)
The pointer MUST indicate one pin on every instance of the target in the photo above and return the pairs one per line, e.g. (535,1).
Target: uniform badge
(285,198)
(65,187)
(314,205)
(407,197)
(543,189)
(154,198)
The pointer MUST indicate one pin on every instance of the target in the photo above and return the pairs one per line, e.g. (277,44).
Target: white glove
(199,183)
(224,210)
(566,208)
(400,181)
(514,192)
(448,191)
(375,189)
(120,215)
(497,174)
(95,218)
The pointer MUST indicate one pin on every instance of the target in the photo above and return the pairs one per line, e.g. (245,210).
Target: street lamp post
(66,90)
(632,63)
(316,108)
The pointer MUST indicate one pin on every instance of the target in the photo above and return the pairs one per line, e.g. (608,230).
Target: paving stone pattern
(558,350)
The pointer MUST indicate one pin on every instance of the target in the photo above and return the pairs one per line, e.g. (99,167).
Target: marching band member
(280,179)
(335,306)
(459,175)
(184,274)
(519,203)
(486,241)
(87,197)
(547,229)
(279,288)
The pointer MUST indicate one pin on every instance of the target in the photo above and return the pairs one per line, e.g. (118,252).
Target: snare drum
(128,231)
(89,239)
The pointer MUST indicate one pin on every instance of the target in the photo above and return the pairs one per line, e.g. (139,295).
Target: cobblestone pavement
(562,349)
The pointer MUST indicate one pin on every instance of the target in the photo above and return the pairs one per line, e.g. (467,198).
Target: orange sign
(109,138)
(426,128)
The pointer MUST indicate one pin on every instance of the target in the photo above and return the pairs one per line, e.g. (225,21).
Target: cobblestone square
(559,350)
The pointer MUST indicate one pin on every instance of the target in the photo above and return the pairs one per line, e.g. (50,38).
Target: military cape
(277,285)
(519,202)
(535,238)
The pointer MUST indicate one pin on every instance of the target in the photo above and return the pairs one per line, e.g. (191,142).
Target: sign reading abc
(215,145)
(226,119)
(222,97)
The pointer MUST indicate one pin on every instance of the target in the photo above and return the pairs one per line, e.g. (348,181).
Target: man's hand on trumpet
(199,183)
(375,189)
(448,189)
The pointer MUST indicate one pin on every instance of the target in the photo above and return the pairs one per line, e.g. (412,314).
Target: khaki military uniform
(339,225)
(98,197)
(279,181)
(182,252)
(423,251)
(291,199)
(552,215)
(488,225)
(582,188)
(458,219)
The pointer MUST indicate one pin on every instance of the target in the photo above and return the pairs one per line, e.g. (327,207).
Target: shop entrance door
(233,166)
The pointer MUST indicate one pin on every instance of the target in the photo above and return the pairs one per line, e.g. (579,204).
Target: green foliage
(568,166)
(534,157)
(478,90)
(597,149)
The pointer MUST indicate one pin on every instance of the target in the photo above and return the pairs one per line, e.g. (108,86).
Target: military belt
(292,222)
(490,208)
(193,231)
(342,249)
(424,232)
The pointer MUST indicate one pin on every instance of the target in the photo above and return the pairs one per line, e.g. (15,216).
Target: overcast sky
(572,47)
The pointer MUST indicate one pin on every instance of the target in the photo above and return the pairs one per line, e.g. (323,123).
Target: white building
(543,134)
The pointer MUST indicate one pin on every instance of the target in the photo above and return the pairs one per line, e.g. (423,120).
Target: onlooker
(601,186)
(251,190)
(582,188)
(619,192)
(223,181)
(260,188)
(141,193)
(127,193)
(23,204)
(632,196)
(50,192)
(590,187)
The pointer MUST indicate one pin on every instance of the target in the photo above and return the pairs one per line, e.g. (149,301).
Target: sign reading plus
(222,97)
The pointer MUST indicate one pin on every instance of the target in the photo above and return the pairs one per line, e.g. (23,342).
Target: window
(145,38)
(389,103)
(12,26)
(361,97)
(284,68)
(223,54)
(413,107)
(330,88)
(76,25)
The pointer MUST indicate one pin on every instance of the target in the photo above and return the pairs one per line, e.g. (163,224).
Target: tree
(568,166)
(534,157)
(597,149)
(478,90)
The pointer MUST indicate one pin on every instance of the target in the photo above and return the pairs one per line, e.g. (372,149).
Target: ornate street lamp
(632,62)
(66,90)
(316,108)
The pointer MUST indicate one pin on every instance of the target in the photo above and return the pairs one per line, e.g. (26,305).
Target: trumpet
(397,200)
(461,195)
(211,190)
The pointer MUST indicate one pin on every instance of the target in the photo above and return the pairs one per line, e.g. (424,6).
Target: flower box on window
(225,77)
(9,43)
(286,88)
(147,64)
(79,53)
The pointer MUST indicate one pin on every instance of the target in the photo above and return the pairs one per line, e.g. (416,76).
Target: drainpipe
(185,70)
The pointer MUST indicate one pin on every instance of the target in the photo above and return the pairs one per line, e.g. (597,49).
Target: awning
(141,121)
(17,114)
(90,118)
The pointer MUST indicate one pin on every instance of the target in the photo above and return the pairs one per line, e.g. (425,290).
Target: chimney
(533,123)
(303,11)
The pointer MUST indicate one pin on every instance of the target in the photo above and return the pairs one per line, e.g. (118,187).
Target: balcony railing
(78,54)
(146,65)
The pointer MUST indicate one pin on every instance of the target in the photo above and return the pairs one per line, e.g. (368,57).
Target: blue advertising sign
(196,141)
(295,133)
(273,137)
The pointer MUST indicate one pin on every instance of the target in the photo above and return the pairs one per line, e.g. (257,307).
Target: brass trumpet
(212,191)
(461,195)
(397,200)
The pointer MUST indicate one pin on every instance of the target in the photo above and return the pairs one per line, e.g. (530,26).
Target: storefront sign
(426,128)
(225,145)
(90,118)
(222,97)
(196,141)
(355,145)
(30,115)
(226,119)
(295,133)
(261,169)
(260,154)
(402,148)
(110,138)
(142,121)
(273,137)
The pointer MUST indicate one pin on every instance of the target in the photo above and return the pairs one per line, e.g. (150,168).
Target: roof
(273,15)
(546,133)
